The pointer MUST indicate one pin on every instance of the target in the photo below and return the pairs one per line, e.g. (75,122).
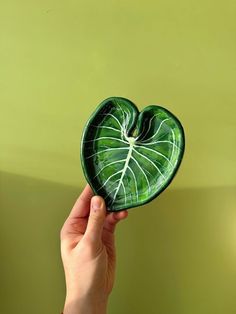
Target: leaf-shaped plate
(130,157)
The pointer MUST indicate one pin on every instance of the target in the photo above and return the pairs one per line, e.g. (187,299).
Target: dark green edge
(131,129)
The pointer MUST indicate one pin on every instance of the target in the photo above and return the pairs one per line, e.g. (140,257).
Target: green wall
(58,60)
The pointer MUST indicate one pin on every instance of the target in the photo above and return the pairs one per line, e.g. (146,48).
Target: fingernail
(97,203)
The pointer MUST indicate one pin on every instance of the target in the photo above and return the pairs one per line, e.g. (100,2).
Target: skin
(88,254)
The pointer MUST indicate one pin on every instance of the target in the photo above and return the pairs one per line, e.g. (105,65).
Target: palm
(85,247)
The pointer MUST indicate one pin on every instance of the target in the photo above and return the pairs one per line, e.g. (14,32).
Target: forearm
(87,306)
(88,254)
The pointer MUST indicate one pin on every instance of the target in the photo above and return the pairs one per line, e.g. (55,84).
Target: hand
(88,254)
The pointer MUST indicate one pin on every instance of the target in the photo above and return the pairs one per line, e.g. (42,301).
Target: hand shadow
(32,214)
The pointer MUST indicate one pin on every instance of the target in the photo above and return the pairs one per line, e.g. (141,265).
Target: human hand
(88,254)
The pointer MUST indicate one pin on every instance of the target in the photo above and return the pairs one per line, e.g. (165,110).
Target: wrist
(85,306)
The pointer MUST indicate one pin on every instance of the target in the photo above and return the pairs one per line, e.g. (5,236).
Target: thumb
(96,219)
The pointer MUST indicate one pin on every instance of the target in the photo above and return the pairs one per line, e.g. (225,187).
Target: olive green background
(58,61)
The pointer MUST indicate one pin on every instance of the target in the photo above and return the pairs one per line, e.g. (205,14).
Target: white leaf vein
(135,182)
(106,127)
(106,150)
(157,131)
(137,163)
(106,138)
(154,165)
(154,151)
(111,163)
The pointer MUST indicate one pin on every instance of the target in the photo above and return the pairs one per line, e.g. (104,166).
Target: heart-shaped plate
(129,157)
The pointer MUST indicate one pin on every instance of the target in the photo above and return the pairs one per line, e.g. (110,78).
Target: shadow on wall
(176,255)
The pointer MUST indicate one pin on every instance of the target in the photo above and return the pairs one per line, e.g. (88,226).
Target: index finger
(82,205)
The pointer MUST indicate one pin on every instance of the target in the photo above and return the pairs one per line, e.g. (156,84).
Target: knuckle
(81,199)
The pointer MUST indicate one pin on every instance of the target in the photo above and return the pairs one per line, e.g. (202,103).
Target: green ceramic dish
(130,157)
